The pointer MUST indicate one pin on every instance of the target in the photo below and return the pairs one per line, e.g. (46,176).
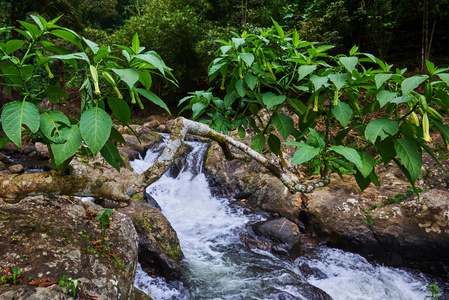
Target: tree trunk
(93,184)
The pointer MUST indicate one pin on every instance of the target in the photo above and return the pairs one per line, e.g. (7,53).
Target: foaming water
(218,266)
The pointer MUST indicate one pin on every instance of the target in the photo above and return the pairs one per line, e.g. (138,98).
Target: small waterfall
(219,266)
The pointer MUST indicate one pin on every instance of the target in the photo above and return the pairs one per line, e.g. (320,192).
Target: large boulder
(48,237)
(413,231)
(158,243)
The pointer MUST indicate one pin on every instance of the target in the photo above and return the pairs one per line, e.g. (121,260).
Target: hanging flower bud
(414,118)
(425,127)
(111,80)
(47,68)
(222,83)
(138,100)
(315,103)
(133,98)
(94,73)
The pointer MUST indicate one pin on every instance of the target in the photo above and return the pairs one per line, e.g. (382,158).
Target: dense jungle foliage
(183,32)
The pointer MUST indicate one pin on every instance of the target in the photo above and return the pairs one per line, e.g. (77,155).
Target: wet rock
(283,231)
(4,158)
(16,169)
(139,295)
(158,242)
(11,148)
(133,143)
(2,166)
(28,149)
(129,153)
(51,237)
(416,230)
(150,200)
(41,150)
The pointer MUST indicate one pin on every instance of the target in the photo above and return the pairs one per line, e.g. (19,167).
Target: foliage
(277,73)
(71,286)
(104,218)
(435,290)
(11,276)
(99,66)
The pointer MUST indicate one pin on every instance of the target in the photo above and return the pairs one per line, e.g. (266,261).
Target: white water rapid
(218,266)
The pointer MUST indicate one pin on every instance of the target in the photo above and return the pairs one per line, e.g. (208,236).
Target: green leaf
(3,141)
(408,175)
(129,76)
(385,150)
(153,98)
(16,114)
(368,163)
(318,81)
(229,99)
(111,154)
(444,77)
(443,129)
(145,79)
(240,86)
(408,152)
(136,43)
(62,152)
(304,154)
(279,29)
(381,128)
(342,112)
(258,143)
(13,45)
(215,68)
(95,126)
(120,109)
(55,94)
(409,84)
(69,36)
(152,58)
(238,42)
(251,80)
(284,124)
(384,97)
(349,63)
(93,46)
(380,79)
(275,144)
(117,136)
(248,58)
(315,138)
(362,182)
(338,80)
(305,70)
(50,122)
(350,154)
(197,109)
(270,99)
(78,55)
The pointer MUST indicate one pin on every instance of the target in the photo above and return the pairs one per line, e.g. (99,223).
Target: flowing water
(218,265)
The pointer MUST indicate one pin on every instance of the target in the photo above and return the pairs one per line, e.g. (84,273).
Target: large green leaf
(270,99)
(409,84)
(275,144)
(381,128)
(349,62)
(248,58)
(216,67)
(380,79)
(78,55)
(258,142)
(384,97)
(153,98)
(342,112)
(16,114)
(129,76)
(50,123)
(350,154)
(251,80)
(13,45)
(152,58)
(443,129)
(111,154)
(284,124)
(305,70)
(304,154)
(367,162)
(444,77)
(410,156)
(69,36)
(338,80)
(318,81)
(95,126)
(62,152)
(120,109)
(240,86)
